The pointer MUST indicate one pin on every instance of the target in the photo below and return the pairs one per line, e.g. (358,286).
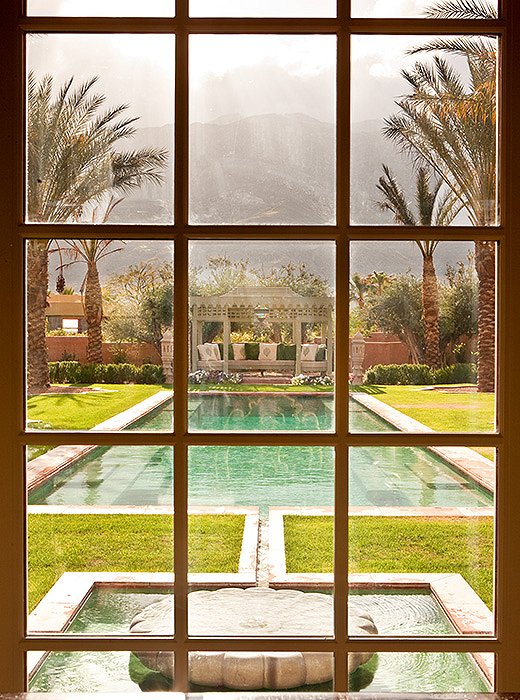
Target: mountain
(271,169)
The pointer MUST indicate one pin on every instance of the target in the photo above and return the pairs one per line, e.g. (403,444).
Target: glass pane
(422,329)
(99,128)
(419,8)
(262,324)
(93,672)
(101,8)
(263,8)
(260,670)
(262,135)
(421,124)
(92,524)
(253,487)
(99,346)
(422,672)
(421,540)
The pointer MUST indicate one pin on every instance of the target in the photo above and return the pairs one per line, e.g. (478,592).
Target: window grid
(181,233)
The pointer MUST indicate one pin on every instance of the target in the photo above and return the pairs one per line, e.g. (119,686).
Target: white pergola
(275,304)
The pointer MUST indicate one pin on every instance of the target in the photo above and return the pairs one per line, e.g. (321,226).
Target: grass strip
(59,543)
(397,545)
(84,411)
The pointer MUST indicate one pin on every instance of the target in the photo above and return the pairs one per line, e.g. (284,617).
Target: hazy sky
(229,74)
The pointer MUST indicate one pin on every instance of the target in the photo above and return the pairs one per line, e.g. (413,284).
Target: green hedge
(421,374)
(69,372)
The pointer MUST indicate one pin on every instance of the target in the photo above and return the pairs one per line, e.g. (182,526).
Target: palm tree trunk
(485,266)
(93,314)
(430,305)
(37,285)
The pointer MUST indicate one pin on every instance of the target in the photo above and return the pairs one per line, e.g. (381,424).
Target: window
(236,168)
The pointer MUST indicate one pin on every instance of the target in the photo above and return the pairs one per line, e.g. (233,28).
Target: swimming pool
(261,476)
(109,611)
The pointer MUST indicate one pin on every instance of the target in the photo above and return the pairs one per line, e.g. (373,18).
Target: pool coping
(463,459)
(42,468)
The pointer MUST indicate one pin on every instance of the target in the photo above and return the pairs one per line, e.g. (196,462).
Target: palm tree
(435,207)
(450,124)
(72,165)
(359,287)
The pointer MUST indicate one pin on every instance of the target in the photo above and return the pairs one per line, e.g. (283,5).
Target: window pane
(421,540)
(410,8)
(92,672)
(408,112)
(262,135)
(92,525)
(99,128)
(263,8)
(261,670)
(261,336)
(422,672)
(101,8)
(253,487)
(422,328)
(99,346)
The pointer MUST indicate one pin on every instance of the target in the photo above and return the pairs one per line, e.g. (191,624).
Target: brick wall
(383,349)
(137,353)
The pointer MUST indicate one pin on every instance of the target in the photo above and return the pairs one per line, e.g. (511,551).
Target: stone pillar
(329,343)
(357,357)
(298,343)
(195,335)
(167,356)
(225,338)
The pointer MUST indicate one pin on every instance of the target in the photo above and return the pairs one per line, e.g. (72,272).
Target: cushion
(285,352)
(208,351)
(239,351)
(221,350)
(309,352)
(267,352)
(321,355)
(252,350)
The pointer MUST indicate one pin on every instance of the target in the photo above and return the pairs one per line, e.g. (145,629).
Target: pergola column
(329,342)
(195,326)
(297,331)
(225,349)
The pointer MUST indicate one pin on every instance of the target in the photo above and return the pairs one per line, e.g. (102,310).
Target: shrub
(421,374)
(204,376)
(463,373)
(76,373)
(308,380)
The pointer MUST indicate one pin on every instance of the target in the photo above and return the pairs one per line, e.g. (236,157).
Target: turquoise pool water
(109,611)
(262,476)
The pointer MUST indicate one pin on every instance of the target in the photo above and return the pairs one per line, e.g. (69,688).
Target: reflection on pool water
(262,476)
(109,611)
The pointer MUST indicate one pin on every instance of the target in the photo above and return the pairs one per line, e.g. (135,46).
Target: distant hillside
(271,169)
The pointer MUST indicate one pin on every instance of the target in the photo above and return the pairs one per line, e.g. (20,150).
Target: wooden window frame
(14,642)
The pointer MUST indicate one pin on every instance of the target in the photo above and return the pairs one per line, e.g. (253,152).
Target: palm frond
(461,9)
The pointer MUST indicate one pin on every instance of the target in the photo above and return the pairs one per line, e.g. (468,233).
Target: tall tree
(435,207)
(72,165)
(450,123)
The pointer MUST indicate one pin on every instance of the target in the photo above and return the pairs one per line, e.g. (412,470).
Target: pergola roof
(282,304)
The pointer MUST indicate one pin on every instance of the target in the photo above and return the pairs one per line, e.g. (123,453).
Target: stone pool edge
(462,459)
(42,468)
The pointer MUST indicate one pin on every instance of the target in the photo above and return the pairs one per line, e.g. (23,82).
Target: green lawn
(441,410)
(84,411)
(59,543)
(397,545)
